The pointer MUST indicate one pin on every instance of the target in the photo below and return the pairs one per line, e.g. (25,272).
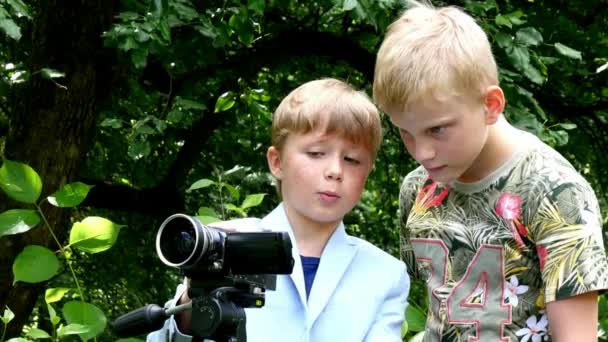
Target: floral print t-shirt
(494,252)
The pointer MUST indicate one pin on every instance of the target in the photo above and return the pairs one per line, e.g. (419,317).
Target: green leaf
(77,312)
(17,221)
(20,182)
(18,339)
(257,6)
(200,184)
(252,200)
(70,195)
(567,126)
(160,7)
(348,5)
(139,149)
(529,36)
(233,207)
(205,211)
(55,294)
(51,73)
(165,30)
(112,122)
(8,315)
(519,57)
(415,318)
(20,7)
(139,58)
(94,234)
(503,39)
(53,315)
(36,333)
(10,28)
(404,329)
(417,338)
(35,264)
(502,20)
(189,104)
(534,75)
(224,102)
(72,329)
(208,219)
(130,339)
(567,51)
(232,190)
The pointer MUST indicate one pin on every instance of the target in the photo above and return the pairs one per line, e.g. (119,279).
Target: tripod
(219,314)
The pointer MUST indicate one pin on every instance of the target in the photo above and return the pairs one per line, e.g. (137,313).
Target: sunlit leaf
(70,195)
(36,333)
(10,28)
(7,316)
(20,7)
(224,102)
(94,234)
(77,312)
(205,211)
(348,5)
(20,182)
(567,51)
(208,219)
(17,221)
(55,294)
(252,200)
(72,329)
(35,264)
(51,73)
(200,184)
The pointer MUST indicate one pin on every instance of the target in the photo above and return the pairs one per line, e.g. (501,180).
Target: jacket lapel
(277,221)
(336,257)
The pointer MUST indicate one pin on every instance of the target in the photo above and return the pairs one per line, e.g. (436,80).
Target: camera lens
(177,240)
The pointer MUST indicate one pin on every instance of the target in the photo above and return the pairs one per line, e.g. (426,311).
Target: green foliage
(37,264)
(196,83)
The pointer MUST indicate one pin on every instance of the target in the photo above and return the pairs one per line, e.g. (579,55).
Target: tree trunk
(52,125)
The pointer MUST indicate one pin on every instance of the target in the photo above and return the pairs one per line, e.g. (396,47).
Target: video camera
(228,270)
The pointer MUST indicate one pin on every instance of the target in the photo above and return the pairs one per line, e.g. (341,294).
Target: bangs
(332,107)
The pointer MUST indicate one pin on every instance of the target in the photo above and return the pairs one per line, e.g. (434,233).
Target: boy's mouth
(435,169)
(329,196)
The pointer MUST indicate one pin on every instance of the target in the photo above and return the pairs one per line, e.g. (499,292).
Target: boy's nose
(424,151)
(334,169)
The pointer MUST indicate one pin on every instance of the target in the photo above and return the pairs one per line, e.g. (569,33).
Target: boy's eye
(352,160)
(437,130)
(314,154)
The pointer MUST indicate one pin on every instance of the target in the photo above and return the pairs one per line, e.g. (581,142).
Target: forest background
(117,114)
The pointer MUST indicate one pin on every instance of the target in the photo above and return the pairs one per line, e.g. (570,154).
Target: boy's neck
(311,237)
(500,146)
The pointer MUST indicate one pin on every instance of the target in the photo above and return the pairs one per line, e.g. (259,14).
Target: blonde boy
(504,230)
(325,136)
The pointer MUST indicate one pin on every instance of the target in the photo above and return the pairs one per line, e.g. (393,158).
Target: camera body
(205,253)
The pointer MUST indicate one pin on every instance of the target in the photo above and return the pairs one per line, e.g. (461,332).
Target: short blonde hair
(432,52)
(332,105)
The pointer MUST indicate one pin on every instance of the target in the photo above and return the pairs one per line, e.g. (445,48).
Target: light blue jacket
(359,294)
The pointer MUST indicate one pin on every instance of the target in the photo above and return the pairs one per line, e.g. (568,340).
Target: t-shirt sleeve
(567,230)
(407,199)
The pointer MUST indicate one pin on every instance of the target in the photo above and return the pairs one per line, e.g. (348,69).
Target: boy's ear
(494,104)
(274,162)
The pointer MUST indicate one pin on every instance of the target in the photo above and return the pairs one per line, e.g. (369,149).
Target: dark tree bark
(52,125)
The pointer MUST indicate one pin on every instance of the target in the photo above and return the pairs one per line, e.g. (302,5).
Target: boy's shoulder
(544,166)
(369,251)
